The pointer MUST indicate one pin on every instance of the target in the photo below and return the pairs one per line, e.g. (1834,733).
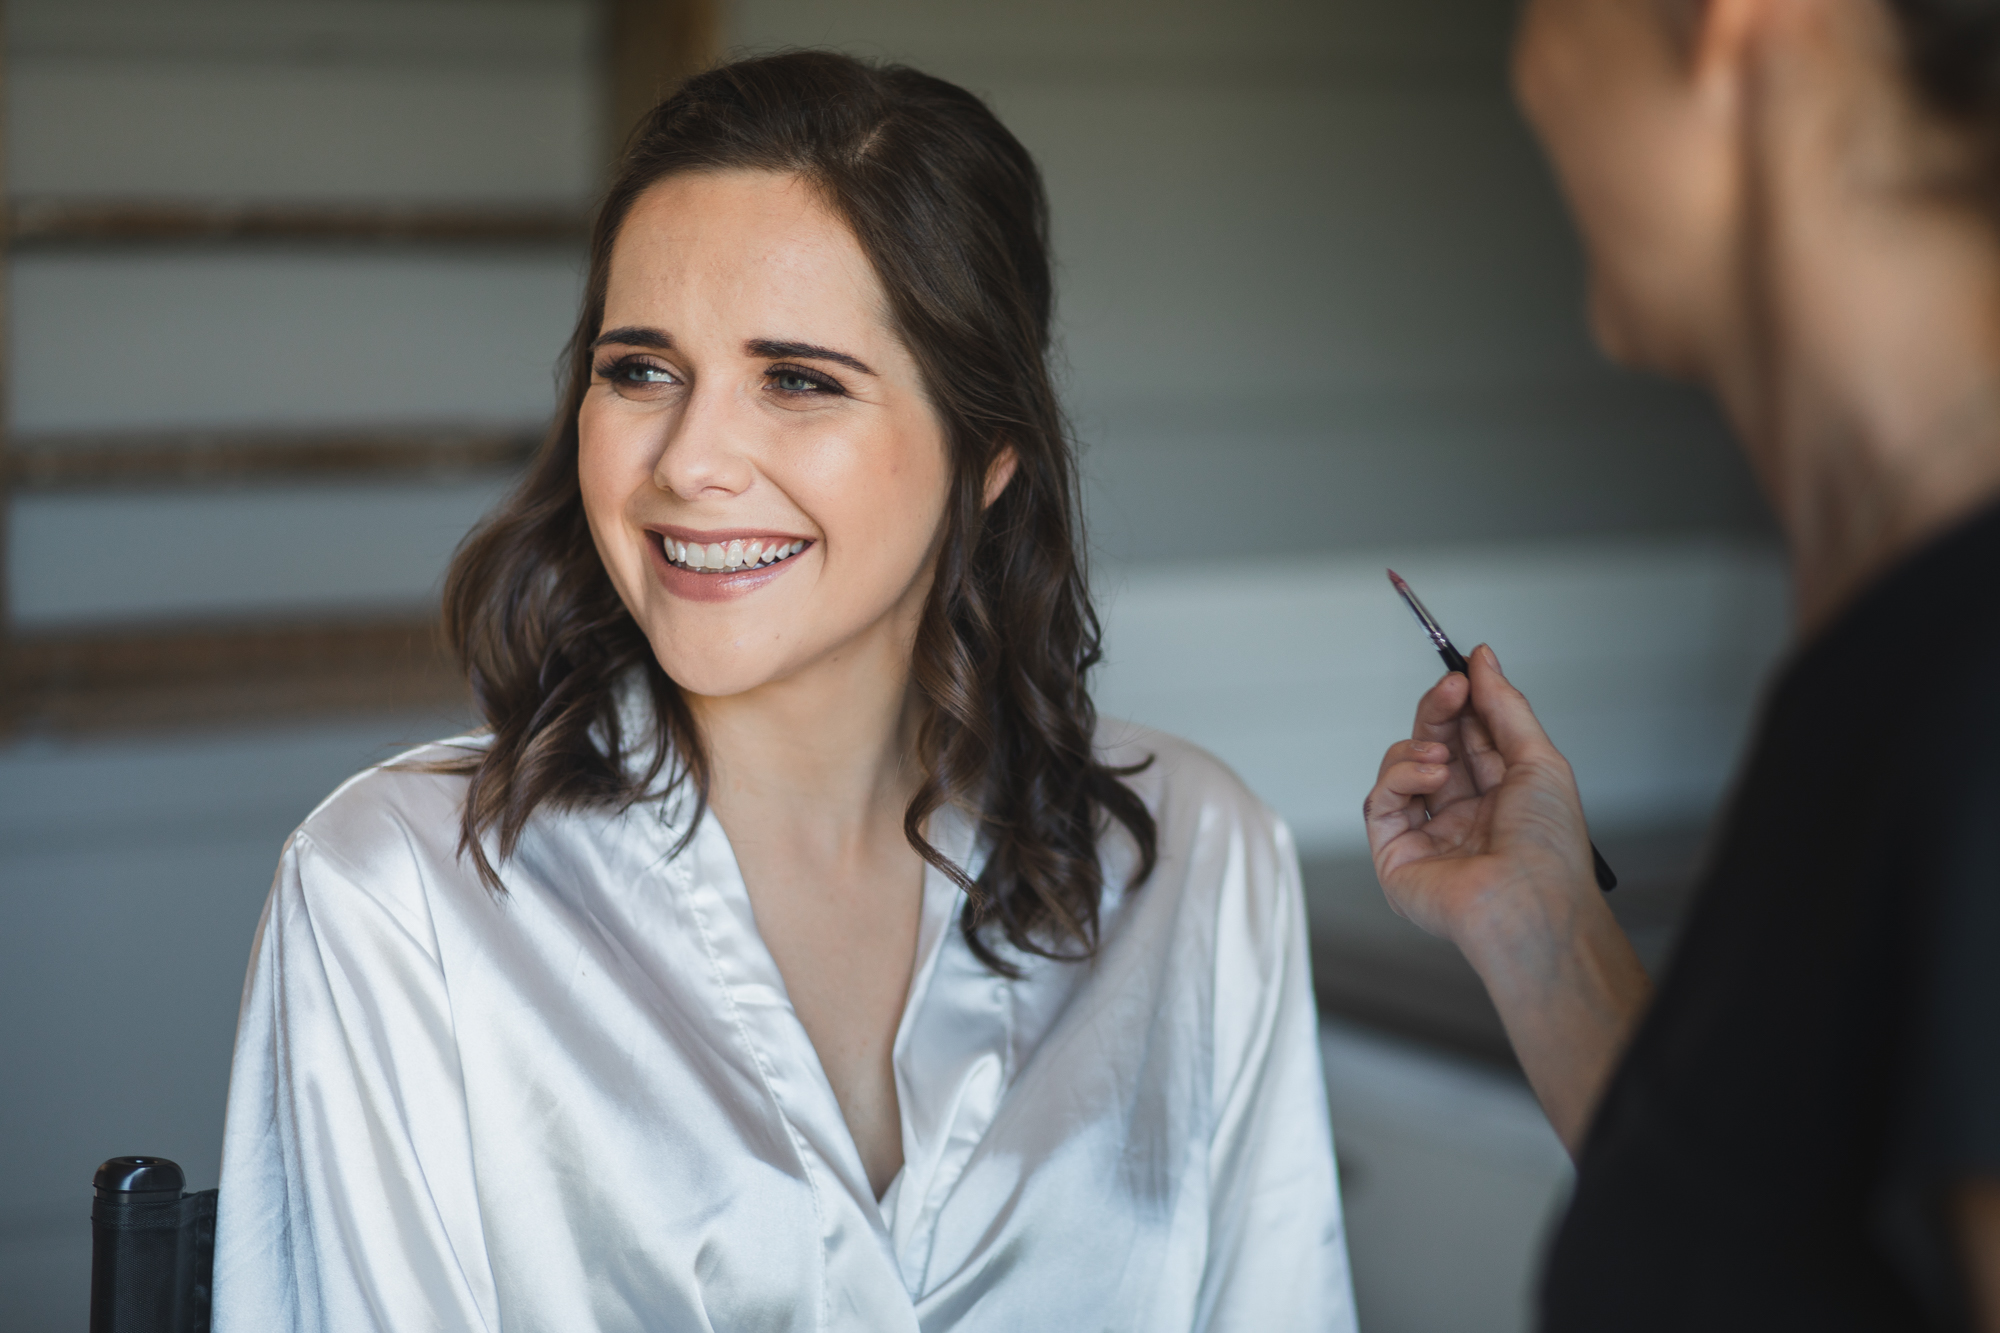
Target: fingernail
(1430,768)
(1492,656)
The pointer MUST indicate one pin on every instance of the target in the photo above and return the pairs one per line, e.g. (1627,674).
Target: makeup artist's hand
(1478,836)
(1477,810)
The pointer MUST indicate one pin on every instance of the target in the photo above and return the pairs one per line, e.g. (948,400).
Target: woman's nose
(703,453)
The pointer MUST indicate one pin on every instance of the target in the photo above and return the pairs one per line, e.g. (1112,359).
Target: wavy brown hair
(950,209)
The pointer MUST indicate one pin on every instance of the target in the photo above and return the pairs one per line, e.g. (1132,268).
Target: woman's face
(1641,149)
(763,474)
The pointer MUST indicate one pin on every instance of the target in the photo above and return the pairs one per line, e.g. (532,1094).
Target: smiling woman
(795,948)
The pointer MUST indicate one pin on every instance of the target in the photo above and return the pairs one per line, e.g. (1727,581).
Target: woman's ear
(999,472)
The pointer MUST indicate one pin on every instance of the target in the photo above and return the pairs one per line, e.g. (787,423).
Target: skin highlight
(749,382)
(1768,211)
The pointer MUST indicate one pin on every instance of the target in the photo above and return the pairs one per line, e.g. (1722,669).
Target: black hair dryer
(152,1249)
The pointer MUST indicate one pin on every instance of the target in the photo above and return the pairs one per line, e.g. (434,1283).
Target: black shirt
(1822,1062)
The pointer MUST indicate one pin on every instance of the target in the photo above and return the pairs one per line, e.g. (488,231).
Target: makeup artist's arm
(1506,875)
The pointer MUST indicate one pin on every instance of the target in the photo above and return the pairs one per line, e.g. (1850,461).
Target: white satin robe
(588,1105)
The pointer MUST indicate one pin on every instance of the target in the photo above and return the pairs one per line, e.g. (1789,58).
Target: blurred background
(285,288)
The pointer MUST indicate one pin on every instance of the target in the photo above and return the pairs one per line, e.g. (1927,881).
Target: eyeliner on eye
(613,370)
(820,381)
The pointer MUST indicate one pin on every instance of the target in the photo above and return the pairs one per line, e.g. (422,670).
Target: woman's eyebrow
(634,336)
(771,347)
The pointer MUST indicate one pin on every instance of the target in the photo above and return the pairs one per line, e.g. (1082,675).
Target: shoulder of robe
(402,811)
(1178,775)
(1203,809)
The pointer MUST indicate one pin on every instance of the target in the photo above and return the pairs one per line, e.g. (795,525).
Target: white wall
(327,101)
(1452,1182)
(269,550)
(156,339)
(1644,661)
(433,100)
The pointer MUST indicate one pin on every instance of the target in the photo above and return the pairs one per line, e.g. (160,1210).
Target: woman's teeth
(729,555)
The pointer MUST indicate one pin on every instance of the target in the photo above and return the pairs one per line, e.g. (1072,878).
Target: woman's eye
(790,381)
(638,373)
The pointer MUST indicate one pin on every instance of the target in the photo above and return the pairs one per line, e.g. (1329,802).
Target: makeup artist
(1795,203)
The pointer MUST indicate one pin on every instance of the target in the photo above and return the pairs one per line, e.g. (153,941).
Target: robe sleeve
(1277,1253)
(348,1198)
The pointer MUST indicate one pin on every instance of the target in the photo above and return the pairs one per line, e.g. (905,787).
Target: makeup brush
(1455,661)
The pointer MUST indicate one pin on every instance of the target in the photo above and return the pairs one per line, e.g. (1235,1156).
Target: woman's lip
(720,586)
(723,536)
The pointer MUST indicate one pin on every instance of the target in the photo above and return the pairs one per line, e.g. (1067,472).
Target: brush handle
(1607,879)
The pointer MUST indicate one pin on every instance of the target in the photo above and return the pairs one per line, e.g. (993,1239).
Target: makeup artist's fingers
(1413,752)
(1482,755)
(1506,716)
(1411,772)
(1517,840)
(1399,828)
(1440,719)
(1440,708)
(1402,785)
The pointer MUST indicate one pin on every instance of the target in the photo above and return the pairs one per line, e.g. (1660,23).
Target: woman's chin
(721,672)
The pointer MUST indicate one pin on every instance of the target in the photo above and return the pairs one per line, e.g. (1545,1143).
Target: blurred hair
(950,210)
(1952,52)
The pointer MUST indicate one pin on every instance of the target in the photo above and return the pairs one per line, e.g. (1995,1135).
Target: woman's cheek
(607,495)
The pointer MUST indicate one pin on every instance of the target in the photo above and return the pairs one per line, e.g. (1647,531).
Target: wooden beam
(208,458)
(50,223)
(651,46)
(69,682)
